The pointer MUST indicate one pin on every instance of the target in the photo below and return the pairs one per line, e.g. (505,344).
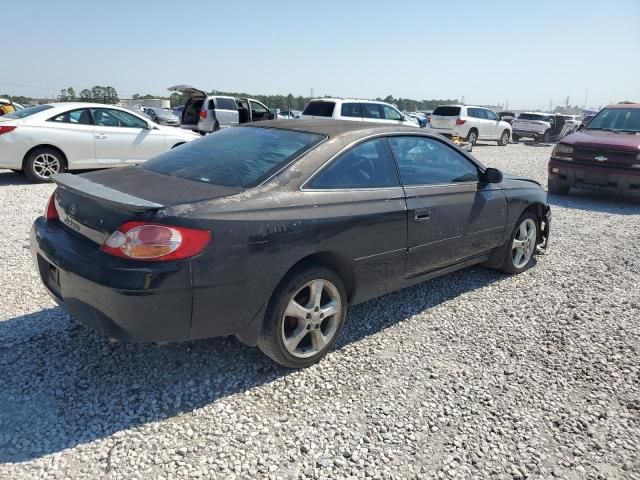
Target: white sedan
(57,137)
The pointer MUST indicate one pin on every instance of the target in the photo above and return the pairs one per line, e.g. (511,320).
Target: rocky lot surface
(473,375)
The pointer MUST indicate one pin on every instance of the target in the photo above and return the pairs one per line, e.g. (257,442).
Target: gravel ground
(473,375)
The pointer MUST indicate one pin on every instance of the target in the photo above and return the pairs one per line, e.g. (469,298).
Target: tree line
(97,94)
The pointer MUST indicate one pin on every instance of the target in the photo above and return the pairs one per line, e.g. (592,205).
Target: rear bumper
(618,181)
(149,302)
(527,133)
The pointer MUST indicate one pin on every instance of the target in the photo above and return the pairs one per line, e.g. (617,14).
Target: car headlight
(562,149)
(638,157)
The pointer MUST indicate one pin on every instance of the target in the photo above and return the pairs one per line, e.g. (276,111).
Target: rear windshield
(225,103)
(532,116)
(618,119)
(319,109)
(447,111)
(27,111)
(235,157)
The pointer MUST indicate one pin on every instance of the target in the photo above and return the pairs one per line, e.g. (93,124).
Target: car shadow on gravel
(7,177)
(596,202)
(62,385)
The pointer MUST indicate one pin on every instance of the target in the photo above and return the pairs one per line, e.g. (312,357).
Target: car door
(74,130)
(226,111)
(258,111)
(364,214)
(478,120)
(392,115)
(494,129)
(452,214)
(123,138)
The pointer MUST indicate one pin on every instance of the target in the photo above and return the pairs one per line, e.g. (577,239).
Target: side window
(472,112)
(371,110)
(368,165)
(425,161)
(225,103)
(258,108)
(106,117)
(351,110)
(491,115)
(79,117)
(391,113)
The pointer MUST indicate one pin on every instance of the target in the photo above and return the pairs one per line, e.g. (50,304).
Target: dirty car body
(264,224)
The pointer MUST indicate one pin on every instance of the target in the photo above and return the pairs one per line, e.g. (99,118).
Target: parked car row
(52,138)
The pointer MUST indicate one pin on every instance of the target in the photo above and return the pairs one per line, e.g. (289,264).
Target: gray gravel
(474,375)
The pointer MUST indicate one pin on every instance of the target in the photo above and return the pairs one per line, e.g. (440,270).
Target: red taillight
(7,128)
(459,121)
(203,114)
(155,242)
(428,119)
(50,212)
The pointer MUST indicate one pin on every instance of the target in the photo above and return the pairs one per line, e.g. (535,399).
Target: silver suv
(205,113)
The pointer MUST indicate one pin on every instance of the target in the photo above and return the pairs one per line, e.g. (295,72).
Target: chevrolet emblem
(601,158)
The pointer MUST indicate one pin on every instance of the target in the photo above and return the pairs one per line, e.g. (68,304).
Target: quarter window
(368,165)
(79,117)
(106,117)
(424,161)
(351,110)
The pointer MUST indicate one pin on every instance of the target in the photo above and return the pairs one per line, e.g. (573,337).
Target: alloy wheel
(45,165)
(524,243)
(311,318)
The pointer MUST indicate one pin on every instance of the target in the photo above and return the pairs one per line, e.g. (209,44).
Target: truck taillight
(156,242)
(203,114)
(50,213)
(459,121)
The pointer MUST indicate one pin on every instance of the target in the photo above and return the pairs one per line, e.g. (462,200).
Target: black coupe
(269,231)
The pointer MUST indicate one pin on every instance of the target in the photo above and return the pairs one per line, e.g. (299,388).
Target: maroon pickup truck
(605,156)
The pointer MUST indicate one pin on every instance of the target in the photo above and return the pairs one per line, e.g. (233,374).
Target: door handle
(100,136)
(421,215)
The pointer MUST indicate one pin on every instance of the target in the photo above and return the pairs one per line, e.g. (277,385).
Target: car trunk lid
(94,205)
(194,98)
(445,117)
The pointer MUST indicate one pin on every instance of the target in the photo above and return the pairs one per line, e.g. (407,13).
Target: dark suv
(604,156)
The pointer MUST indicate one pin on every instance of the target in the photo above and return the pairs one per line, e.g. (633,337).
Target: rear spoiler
(86,188)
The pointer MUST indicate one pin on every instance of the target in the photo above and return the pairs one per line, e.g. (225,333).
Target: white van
(356,110)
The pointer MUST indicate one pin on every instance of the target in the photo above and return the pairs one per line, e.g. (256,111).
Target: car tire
(556,189)
(522,244)
(43,162)
(515,138)
(283,336)
(504,139)
(216,127)
(472,136)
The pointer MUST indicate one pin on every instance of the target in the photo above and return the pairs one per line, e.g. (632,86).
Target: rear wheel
(41,163)
(504,139)
(216,127)
(522,245)
(556,189)
(472,136)
(304,317)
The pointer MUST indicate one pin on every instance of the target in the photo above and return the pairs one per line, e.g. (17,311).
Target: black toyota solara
(270,231)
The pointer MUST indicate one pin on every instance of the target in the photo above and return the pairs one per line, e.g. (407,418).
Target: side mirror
(492,175)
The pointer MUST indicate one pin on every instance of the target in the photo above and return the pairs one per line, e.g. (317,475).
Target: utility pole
(506,104)
(586,95)
(462,100)
(311,93)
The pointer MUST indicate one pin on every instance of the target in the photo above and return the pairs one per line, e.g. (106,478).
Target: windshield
(617,119)
(234,157)
(27,111)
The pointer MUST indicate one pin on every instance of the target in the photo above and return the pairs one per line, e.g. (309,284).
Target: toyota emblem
(73,209)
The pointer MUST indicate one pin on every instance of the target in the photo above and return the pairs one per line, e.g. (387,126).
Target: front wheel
(304,317)
(522,245)
(41,163)
(504,139)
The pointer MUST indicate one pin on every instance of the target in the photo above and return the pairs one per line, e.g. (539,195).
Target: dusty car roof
(333,128)
(624,105)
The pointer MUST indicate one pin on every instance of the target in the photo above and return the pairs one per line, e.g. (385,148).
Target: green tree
(71,94)
(63,95)
(85,95)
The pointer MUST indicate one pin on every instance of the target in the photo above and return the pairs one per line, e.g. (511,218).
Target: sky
(529,54)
